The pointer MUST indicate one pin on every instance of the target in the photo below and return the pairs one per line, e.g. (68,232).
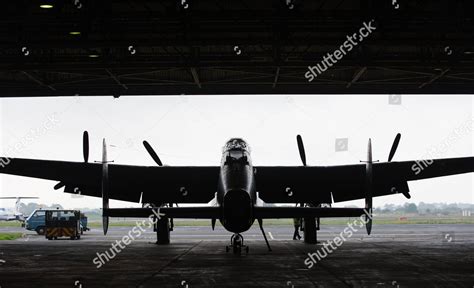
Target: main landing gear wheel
(236,244)
(163,231)
(310,230)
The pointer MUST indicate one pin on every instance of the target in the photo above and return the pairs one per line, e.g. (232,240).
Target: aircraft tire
(310,230)
(163,232)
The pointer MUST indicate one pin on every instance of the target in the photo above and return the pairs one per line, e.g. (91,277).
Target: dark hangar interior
(175,47)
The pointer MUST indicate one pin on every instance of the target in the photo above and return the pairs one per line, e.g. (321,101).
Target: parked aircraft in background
(13,214)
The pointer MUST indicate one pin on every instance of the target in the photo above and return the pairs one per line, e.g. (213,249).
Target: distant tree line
(426,209)
(27,209)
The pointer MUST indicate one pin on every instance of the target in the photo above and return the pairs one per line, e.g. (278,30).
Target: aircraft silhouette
(237,188)
(14,215)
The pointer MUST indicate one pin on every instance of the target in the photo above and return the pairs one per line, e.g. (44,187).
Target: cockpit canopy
(236,144)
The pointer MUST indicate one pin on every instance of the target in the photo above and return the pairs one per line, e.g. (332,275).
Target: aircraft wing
(216,212)
(329,184)
(170,212)
(158,184)
(302,212)
(274,184)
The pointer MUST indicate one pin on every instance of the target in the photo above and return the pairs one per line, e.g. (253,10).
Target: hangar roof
(144,47)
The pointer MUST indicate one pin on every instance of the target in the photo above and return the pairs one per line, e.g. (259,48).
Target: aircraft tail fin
(17,202)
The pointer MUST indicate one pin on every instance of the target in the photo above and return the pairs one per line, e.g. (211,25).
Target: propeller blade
(59,185)
(299,140)
(105,188)
(105,224)
(369,188)
(152,153)
(213,223)
(394,147)
(85,146)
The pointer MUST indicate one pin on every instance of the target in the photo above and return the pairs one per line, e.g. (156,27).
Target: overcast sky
(191,130)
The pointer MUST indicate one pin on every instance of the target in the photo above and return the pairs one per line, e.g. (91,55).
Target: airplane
(14,215)
(237,188)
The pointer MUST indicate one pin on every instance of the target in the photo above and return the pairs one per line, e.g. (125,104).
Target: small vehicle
(84,223)
(36,222)
(63,223)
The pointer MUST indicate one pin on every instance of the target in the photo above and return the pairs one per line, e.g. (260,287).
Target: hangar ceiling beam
(196,77)
(36,80)
(441,74)
(357,76)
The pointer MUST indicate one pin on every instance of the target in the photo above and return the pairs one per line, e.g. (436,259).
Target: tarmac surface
(393,256)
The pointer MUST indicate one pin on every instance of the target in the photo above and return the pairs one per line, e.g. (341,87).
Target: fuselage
(236,193)
(6,216)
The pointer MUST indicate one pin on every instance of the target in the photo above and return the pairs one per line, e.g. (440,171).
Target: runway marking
(271,236)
